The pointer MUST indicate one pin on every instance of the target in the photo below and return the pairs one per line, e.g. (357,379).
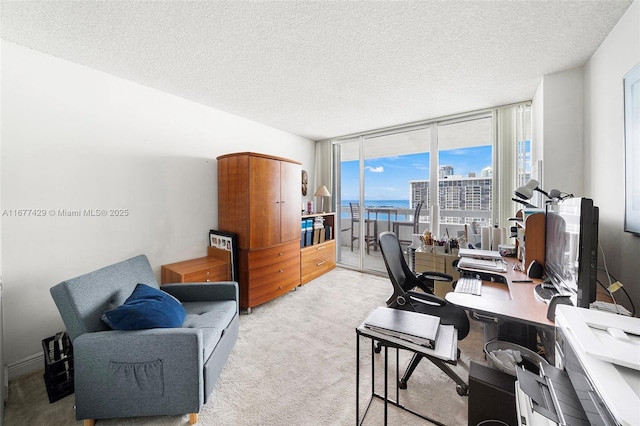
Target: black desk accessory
(535,270)
(556,300)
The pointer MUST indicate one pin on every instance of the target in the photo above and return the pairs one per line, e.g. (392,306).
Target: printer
(596,377)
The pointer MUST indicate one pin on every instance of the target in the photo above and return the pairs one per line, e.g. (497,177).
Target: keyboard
(469,285)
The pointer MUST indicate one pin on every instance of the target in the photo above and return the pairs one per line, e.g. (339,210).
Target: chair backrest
(82,300)
(355,211)
(416,213)
(399,273)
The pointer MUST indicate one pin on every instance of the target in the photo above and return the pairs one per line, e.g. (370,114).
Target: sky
(388,178)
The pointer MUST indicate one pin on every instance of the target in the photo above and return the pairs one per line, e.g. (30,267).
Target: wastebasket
(530,360)
(58,366)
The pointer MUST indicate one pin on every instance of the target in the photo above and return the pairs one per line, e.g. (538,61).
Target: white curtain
(513,127)
(324,173)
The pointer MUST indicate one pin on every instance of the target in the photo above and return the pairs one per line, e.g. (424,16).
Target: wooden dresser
(216,266)
(259,200)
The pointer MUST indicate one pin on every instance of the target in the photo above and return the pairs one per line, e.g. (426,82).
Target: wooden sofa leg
(193,418)
(89,422)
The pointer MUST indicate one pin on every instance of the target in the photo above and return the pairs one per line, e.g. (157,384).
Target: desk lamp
(322,192)
(526,192)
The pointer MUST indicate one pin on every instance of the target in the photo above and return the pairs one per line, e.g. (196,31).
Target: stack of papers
(487,260)
(479,254)
(496,265)
(414,327)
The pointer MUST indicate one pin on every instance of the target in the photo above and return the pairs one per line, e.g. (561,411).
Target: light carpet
(294,364)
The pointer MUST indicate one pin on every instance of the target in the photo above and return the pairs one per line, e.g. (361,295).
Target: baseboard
(26,365)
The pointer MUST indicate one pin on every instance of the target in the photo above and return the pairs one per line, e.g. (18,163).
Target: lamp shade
(526,192)
(322,192)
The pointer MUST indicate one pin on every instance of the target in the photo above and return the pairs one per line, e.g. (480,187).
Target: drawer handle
(321,247)
(280,270)
(280,254)
(207,272)
(321,263)
(208,280)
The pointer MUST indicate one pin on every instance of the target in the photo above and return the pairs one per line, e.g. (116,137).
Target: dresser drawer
(272,256)
(317,260)
(273,272)
(212,274)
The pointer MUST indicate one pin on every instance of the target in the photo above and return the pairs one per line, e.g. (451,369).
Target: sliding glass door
(378,192)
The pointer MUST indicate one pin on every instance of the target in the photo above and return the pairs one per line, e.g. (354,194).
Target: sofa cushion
(147,307)
(212,317)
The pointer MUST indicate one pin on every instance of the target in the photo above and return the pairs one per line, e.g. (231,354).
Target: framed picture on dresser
(226,241)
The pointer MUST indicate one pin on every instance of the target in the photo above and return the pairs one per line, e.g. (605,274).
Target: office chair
(405,297)
(414,224)
(369,240)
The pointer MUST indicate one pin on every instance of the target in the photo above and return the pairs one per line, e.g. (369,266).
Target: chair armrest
(203,292)
(430,299)
(163,361)
(434,276)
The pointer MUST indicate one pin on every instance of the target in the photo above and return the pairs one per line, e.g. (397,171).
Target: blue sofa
(158,371)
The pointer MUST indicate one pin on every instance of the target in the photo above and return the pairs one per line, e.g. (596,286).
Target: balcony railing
(452,222)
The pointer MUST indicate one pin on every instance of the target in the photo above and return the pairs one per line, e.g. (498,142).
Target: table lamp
(322,192)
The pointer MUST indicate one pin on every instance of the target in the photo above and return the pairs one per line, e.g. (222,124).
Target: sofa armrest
(120,370)
(203,292)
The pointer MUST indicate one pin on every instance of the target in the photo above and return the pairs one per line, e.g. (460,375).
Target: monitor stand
(544,293)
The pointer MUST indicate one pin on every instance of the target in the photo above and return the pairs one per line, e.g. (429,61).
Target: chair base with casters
(405,297)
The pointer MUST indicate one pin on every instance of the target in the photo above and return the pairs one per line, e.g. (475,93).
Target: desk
(508,300)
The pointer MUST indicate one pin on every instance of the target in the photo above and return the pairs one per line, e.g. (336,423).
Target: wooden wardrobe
(259,200)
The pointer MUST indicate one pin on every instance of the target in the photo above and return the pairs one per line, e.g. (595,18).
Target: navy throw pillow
(147,307)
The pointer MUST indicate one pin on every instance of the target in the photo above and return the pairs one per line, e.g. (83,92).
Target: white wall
(604,142)
(75,138)
(558,131)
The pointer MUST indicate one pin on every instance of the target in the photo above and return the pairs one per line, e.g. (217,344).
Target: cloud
(378,169)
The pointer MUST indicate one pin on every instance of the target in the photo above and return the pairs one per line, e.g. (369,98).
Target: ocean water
(399,204)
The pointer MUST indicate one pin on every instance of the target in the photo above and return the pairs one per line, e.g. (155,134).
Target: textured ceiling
(329,68)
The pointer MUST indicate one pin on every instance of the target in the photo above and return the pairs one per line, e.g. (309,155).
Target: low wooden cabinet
(318,246)
(437,262)
(530,240)
(317,260)
(216,266)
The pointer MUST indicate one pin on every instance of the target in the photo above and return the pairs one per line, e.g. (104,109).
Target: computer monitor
(571,253)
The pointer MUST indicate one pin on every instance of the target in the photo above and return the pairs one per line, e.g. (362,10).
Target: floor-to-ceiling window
(465,175)
(448,165)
